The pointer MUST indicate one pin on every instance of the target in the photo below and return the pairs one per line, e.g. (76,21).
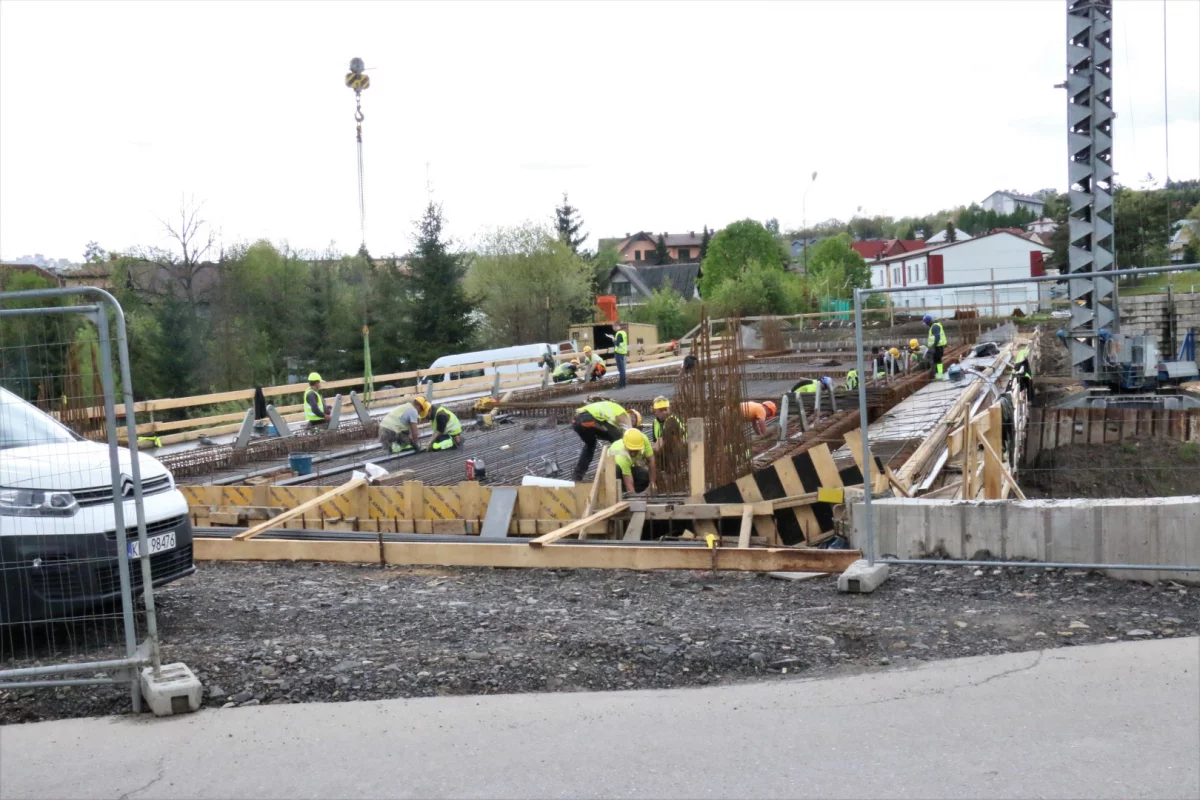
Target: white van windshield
(23,425)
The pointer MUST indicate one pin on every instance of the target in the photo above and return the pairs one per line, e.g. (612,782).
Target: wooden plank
(695,433)
(595,492)
(468,492)
(299,510)
(1096,425)
(764,526)
(414,500)
(789,479)
(633,531)
(826,469)
(494,554)
(993,481)
(579,524)
(1112,425)
(1033,437)
(747,524)
(1145,422)
(499,513)
(988,449)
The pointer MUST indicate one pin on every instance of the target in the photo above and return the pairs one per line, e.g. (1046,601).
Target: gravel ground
(285,633)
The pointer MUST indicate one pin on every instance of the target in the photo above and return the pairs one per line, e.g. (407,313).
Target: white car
(58,541)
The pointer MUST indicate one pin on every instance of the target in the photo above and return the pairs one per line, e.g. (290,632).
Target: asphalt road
(1115,720)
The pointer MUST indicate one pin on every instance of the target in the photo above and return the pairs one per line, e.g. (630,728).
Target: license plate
(155,544)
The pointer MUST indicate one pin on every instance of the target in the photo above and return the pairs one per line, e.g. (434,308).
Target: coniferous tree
(661,254)
(705,238)
(439,319)
(569,224)
(951,233)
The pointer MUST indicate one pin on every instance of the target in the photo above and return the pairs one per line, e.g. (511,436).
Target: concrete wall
(1147,314)
(1164,530)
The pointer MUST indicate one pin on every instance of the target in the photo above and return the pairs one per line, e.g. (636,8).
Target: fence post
(868,522)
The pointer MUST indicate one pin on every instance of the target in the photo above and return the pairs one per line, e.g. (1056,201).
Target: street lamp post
(804,213)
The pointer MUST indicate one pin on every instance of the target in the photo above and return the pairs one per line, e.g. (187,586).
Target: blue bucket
(300,463)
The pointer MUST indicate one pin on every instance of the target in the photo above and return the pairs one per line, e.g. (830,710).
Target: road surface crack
(162,771)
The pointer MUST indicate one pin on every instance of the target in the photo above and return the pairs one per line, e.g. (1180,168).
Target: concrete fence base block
(796,576)
(175,690)
(862,578)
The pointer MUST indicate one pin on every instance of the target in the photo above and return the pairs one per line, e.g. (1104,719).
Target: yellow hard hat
(662,402)
(314,377)
(575,361)
(634,440)
(636,416)
(587,348)
(895,353)
(913,344)
(422,405)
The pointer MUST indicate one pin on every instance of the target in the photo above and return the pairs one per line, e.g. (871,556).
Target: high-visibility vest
(563,370)
(851,380)
(392,421)
(809,388)
(603,411)
(157,441)
(937,335)
(453,426)
(309,414)
(658,427)
(622,343)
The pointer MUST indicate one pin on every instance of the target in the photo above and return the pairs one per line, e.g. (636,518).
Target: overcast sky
(657,116)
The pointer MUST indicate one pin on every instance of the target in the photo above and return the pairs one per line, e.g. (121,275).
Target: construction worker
(914,355)
(689,363)
(398,430)
(605,420)
(447,430)
(156,441)
(851,380)
(665,424)
(621,349)
(316,413)
(937,346)
(891,361)
(809,385)
(594,364)
(635,461)
(565,372)
(1023,371)
(758,414)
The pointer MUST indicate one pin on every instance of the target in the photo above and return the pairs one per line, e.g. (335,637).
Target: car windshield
(22,425)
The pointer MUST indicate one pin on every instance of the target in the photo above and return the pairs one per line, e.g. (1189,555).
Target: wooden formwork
(1050,428)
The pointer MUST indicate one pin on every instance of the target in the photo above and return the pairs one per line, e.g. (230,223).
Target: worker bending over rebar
(447,430)
(398,430)
(604,420)
(635,462)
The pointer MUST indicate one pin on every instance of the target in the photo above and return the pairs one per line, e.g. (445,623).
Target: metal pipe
(869,522)
(783,418)
(67,669)
(1047,564)
(114,468)
(64,682)
(1043,279)
(29,312)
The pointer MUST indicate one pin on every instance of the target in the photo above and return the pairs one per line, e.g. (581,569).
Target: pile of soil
(278,633)
(1131,468)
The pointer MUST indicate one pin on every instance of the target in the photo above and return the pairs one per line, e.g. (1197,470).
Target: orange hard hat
(770,407)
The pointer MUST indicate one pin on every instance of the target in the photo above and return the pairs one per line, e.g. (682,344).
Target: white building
(994,257)
(1008,202)
(1043,225)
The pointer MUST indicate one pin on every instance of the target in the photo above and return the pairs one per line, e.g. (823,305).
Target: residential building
(996,256)
(632,285)
(875,249)
(1008,202)
(1185,231)
(1043,225)
(940,237)
(639,248)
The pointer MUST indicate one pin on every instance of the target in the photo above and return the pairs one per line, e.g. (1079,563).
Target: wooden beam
(299,510)
(747,525)
(578,525)
(633,531)
(566,556)
(591,501)
(1008,476)
(695,434)
(992,479)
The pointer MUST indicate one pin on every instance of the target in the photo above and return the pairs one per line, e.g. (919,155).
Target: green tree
(661,254)
(94,253)
(733,248)
(440,317)
(531,285)
(835,269)
(760,289)
(705,239)
(667,310)
(951,233)
(772,226)
(569,223)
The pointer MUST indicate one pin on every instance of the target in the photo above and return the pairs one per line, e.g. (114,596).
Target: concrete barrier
(1161,530)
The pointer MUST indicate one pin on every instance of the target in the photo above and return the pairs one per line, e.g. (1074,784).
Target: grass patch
(1186,281)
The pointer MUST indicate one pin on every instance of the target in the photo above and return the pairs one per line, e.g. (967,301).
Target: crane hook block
(356,65)
(357,81)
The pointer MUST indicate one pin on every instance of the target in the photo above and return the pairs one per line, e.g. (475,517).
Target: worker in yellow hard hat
(566,371)
(599,420)
(635,461)
(316,413)
(398,430)
(666,424)
(594,368)
(891,361)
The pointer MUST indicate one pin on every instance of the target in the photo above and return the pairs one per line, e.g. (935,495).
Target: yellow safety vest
(603,411)
(453,426)
(309,414)
(622,343)
(937,335)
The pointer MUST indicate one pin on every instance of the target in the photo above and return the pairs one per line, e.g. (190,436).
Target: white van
(529,351)
(58,540)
